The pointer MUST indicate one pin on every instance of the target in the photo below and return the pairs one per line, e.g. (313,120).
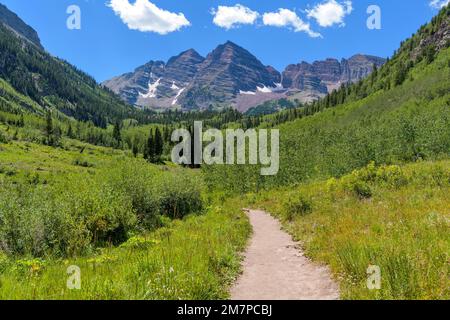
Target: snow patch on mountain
(175,100)
(264,89)
(247,92)
(152,90)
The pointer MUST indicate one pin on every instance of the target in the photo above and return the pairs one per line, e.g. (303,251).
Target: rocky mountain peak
(228,70)
(188,56)
(231,76)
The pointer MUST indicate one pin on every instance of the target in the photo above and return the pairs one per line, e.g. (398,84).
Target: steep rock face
(438,37)
(303,77)
(156,83)
(12,21)
(227,71)
(321,77)
(183,67)
(359,67)
(131,86)
(328,71)
(232,76)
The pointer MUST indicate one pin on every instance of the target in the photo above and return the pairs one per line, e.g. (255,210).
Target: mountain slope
(399,114)
(156,83)
(11,20)
(227,71)
(54,83)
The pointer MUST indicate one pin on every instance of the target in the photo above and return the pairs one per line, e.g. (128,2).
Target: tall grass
(401,224)
(194,258)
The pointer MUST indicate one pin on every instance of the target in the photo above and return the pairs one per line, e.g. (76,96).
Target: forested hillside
(55,84)
(400,114)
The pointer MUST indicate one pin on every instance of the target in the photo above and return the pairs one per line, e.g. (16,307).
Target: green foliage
(140,243)
(47,80)
(196,258)
(407,123)
(297,206)
(403,229)
(83,163)
(117,135)
(83,205)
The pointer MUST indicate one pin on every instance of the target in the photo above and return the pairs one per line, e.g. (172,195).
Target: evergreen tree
(430,53)
(159,145)
(117,134)
(21,123)
(135,149)
(149,153)
(70,131)
(400,75)
(49,128)
(374,74)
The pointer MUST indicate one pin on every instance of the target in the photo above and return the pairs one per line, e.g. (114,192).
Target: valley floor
(395,217)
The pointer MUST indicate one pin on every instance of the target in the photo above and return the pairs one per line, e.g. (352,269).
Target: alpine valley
(92,207)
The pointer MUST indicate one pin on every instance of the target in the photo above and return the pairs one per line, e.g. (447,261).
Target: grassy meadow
(135,230)
(394,217)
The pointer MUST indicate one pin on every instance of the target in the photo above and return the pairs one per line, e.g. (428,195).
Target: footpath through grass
(397,218)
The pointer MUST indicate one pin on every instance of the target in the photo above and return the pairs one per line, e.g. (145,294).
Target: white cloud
(330,12)
(288,18)
(230,17)
(438,4)
(147,17)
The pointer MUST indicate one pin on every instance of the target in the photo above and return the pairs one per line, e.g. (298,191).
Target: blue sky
(106,45)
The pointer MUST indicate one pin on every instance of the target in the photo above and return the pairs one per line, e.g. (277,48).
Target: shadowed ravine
(276,269)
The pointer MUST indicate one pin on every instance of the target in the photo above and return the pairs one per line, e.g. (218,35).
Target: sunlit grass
(403,228)
(197,258)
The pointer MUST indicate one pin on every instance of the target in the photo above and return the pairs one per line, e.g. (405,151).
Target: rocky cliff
(232,76)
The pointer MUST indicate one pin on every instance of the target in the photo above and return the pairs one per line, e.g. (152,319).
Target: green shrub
(391,176)
(32,267)
(4,138)
(83,163)
(73,214)
(297,206)
(4,262)
(180,196)
(138,184)
(362,190)
(66,218)
(141,243)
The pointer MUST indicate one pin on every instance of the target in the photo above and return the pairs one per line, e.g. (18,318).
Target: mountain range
(229,76)
(233,77)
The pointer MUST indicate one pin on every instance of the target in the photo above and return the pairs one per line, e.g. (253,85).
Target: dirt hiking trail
(276,269)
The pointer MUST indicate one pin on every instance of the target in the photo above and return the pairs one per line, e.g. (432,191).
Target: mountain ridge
(53,83)
(232,76)
(15,23)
